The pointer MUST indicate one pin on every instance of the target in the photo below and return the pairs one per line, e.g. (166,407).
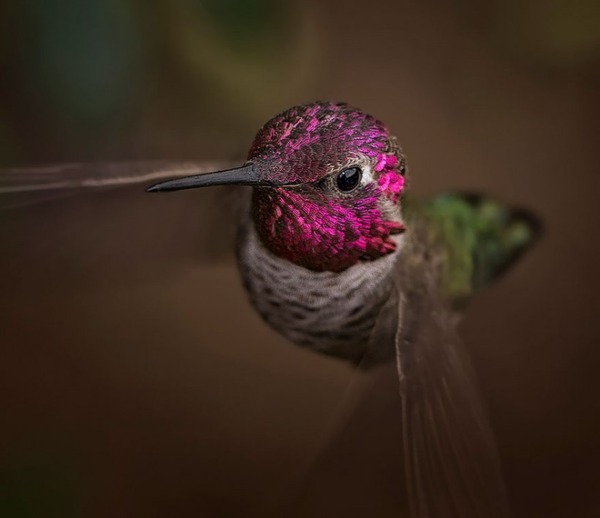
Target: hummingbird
(338,259)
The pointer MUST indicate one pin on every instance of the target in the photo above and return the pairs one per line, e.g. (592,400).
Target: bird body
(332,261)
(319,261)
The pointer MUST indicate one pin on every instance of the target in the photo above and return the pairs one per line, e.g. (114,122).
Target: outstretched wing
(452,464)
(26,186)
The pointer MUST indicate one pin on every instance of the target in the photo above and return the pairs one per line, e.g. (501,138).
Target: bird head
(327,183)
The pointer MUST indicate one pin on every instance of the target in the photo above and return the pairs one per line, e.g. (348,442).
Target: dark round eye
(348,179)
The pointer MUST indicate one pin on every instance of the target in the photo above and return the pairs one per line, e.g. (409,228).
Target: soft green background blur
(134,378)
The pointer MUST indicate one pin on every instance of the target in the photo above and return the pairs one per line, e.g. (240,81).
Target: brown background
(134,378)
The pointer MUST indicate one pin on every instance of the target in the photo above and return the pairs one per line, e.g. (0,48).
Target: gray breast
(329,312)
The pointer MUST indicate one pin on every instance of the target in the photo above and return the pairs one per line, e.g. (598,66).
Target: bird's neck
(332,312)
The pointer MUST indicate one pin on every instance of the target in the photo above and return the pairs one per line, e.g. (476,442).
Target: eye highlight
(348,179)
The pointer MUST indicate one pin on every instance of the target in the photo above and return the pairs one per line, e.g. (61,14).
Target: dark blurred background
(135,380)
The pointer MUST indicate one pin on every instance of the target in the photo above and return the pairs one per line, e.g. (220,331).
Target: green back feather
(479,238)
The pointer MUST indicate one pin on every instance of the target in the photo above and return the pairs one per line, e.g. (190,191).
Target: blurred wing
(26,186)
(452,465)
(95,233)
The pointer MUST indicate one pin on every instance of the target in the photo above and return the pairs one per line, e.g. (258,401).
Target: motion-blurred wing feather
(96,235)
(452,464)
(97,175)
(31,185)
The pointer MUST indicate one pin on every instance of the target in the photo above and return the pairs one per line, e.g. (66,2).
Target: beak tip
(153,188)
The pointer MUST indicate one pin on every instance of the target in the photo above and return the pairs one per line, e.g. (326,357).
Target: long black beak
(246,175)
